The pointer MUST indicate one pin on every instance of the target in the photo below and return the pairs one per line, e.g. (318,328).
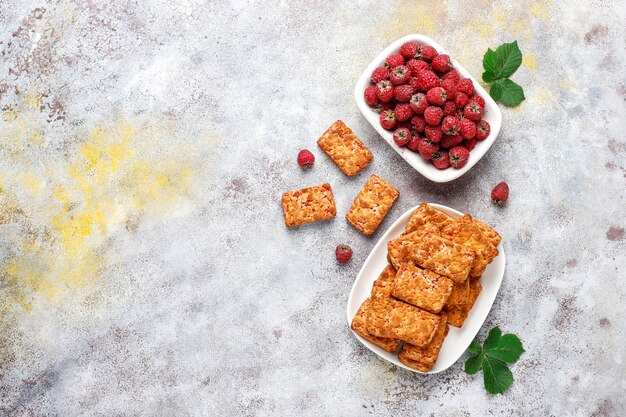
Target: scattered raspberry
(419,123)
(401,136)
(403,112)
(415,66)
(461,100)
(482,130)
(449,108)
(469,143)
(433,115)
(426,80)
(433,133)
(450,125)
(436,96)
(427,53)
(478,99)
(500,193)
(441,159)
(441,63)
(467,129)
(419,103)
(371,95)
(343,253)
(465,86)
(400,75)
(451,75)
(379,74)
(305,158)
(426,148)
(473,111)
(414,143)
(403,93)
(387,119)
(450,141)
(409,49)
(395,60)
(385,91)
(458,156)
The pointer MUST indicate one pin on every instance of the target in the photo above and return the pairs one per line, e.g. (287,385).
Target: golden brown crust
(443,256)
(399,250)
(372,204)
(423,358)
(421,288)
(426,215)
(308,205)
(458,315)
(345,149)
(491,234)
(459,295)
(359,325)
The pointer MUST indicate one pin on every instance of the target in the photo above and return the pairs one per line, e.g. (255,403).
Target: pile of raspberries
(430,108)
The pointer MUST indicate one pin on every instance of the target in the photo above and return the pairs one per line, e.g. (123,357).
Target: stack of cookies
(432,281)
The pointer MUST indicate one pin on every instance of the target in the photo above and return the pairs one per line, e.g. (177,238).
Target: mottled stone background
(145,269)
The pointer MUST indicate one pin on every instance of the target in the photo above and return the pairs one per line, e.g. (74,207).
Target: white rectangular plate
(491,114)
(457,340)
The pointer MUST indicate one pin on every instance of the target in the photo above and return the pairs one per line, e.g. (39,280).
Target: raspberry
(379,74)
(426,80)
(403,112)
(415,66)
(387,119)
(465,86)
(433,115)
(403,93)
(441,159)
(409,49)
(381,107)
(385,91)
(450,125)
(427,148)
(450,87)
(459,114)
(482,130)
(419,124)
(401,136)
(394,60)
(414,143)
(469,143)
(433,133)
(406,124)
(478,99)
(467,129)
(413,83)
(343,253)
(305,158)
(436,96)
(500,193)
(400,75)
(450,141)
(448,108)
(427,53)
(458,156)
(452,75)
(371,95)
(460,100)
(419,103)
(473,111)
(441,63)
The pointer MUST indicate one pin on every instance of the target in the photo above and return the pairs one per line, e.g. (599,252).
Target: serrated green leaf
(509,58)
(508,350)
(496,375)
(493,338)
(473,364)
(507,92)
(490,63)
(475,347)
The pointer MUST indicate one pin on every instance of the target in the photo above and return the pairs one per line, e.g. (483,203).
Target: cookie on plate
(359,325)
(399,250)
(345,149)
(308,205)
(458,315)
(421,288)
(423,358)
(372,204)
(459,295)
(426,215)
(442,256)
(490,233)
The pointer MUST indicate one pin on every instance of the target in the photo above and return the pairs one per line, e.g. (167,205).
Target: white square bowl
(458,339)
(491,114)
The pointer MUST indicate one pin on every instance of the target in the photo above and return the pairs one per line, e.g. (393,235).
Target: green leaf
(507,92)
(490,63)
(475,347)
(493,338)
(509,58)
(473,364)
(497,376)
(508,350)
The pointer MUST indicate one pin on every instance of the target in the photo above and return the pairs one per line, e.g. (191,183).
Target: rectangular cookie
(308,205)
(464,231)
(398,249)
(426,215)
(345,149)
(421,288)
(423,358)
(359,325)
(457,315)
(491,234)
(443,256)
(372,204)
(459,295)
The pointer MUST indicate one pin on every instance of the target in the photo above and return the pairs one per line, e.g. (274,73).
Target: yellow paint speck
(530,61)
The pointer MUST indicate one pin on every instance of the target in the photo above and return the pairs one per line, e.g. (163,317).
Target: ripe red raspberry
(441,63)
(415,66)
(409,49)
(465,86)
(478,99)
(441,159)
(419,103)
(379,74)
(433,133)
(433,115)
(436,96)
(343,253)
(450,125)
(400,75)
(473,111)
(401,136)
(388,119)
(500,193)
(403,112)
(403,93)
(460,100)
(451,75)
(427,148)
(450,87)
(482,130)
(459,114)
(381,107)
(448,108)
(469,143)
(385,91)
(467,129)
(414,143)
(427,80)
(305,158)
(427,53)
(371,95)
(413,83)
(419,124)
(450,141)
(394,60)
(458,156)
